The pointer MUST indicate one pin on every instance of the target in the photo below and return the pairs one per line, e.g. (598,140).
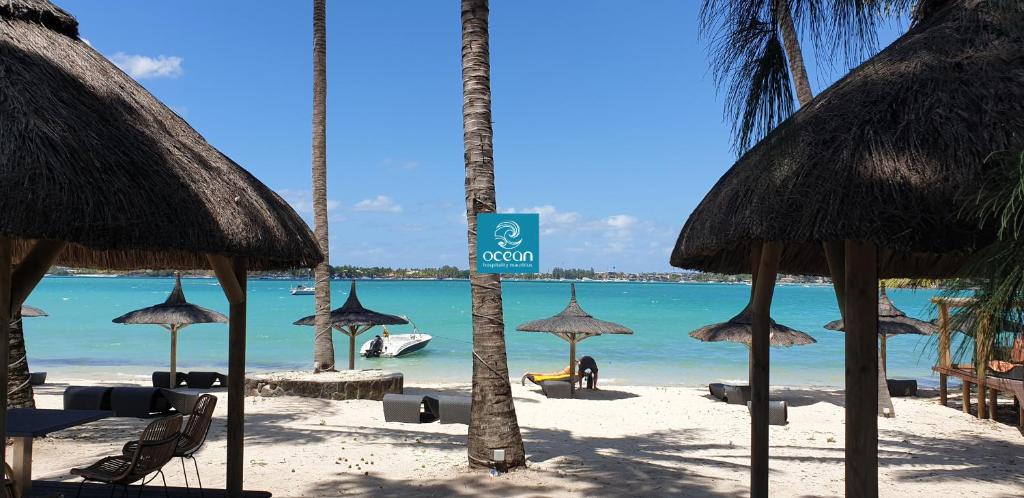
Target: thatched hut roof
(888,154)
(89,157)
(739,329)
(353,314)
(174,311)
(573,320)
(892,321)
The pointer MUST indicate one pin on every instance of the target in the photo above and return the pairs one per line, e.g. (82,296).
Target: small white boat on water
(389,345)
(303,290)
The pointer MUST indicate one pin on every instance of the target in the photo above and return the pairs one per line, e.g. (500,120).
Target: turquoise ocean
(78,337)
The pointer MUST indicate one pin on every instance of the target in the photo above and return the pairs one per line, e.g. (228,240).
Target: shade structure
(174,314)
(96,172)
(353,319)
(32,312)
(573,325)
(869,180)
(738,329)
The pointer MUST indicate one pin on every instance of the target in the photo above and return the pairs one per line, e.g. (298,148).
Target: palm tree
(493,422)
(757,55)
(323,343)
(19,389)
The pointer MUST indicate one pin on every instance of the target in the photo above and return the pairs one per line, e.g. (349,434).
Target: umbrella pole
(572,362)
(881,351)
(5,329)
(174,356)
(762,302)
(862,389)
(352,331)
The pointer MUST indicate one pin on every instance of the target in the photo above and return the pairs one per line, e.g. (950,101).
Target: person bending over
(587,369)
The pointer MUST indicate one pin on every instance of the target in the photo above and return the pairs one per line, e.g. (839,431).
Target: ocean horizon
(78,339)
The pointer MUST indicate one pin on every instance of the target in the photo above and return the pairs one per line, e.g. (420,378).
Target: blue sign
(507,243)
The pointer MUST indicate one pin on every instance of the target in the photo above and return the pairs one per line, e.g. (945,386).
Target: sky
(607,121)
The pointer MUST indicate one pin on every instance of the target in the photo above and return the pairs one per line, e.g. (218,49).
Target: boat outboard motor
(376,347)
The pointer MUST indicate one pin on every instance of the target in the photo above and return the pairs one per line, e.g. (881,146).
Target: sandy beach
(619,441)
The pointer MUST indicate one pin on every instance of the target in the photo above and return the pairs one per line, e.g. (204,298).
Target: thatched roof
(353,314)
(888,154)
(738,329)
(573,320)
(31,312)
(89,157)
(892,321)
(174,311)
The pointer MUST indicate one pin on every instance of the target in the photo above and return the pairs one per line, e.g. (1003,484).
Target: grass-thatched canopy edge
(889,154)
(89,157)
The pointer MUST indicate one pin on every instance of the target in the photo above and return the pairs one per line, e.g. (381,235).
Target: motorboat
(303,290)
(388,345)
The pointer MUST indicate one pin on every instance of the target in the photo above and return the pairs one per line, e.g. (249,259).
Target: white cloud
(302,201)
(143,67)
(379,204)
(551,219)
(620,221)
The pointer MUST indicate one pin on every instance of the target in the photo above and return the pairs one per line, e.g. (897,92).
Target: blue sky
(606,118)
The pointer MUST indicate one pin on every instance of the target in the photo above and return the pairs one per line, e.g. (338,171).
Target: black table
(24,424)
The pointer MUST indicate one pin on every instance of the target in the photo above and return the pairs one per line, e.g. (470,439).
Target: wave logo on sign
(514,246)
(507,235)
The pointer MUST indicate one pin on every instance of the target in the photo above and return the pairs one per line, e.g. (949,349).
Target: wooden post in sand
(944,356)
(231,273)
(767,270)
(861,322)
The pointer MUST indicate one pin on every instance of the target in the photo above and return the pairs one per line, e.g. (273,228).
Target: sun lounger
(717,390)
(163,379)
(556,388)
(1015,373)
(737,395)
(138,402)
(37,378)
(182,403)
(87,398)
(902,388)
(205,380)
(778,413)
(454,409)
(410,408)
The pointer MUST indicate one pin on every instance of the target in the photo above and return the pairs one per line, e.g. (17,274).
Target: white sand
(623,441)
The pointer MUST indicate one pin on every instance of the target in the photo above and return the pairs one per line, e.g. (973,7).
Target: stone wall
(374,387)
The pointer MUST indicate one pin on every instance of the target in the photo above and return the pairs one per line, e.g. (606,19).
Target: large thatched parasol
(98,173)
(868,180)
(573,325)
(353,319)
(738,329)
(891,321)
(173,314)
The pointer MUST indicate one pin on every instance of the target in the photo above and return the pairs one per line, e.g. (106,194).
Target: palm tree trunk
(791,43)
(323,343)
(19,389)
(493,424)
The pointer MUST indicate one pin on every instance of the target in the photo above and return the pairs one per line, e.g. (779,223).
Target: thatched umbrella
(891,321)
(868,181)
(98,173)
(573,325)
(32,312)
(353,319)
(740,329)
(173,314)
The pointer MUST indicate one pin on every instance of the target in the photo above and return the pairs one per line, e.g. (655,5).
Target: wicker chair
(192,437)
(152,451)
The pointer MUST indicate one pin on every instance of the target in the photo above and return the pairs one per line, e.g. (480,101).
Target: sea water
(78,338)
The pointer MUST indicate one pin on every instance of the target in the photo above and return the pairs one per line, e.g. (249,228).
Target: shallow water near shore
(78,338)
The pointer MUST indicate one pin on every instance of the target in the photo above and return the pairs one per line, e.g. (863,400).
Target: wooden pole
(967,395)
(882,354)
(981,350)
(352,348)
(944,356)
(32,268)
(174,356)
(993,404)
(861,324)
(231,273)
(5,329)
(759,364)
